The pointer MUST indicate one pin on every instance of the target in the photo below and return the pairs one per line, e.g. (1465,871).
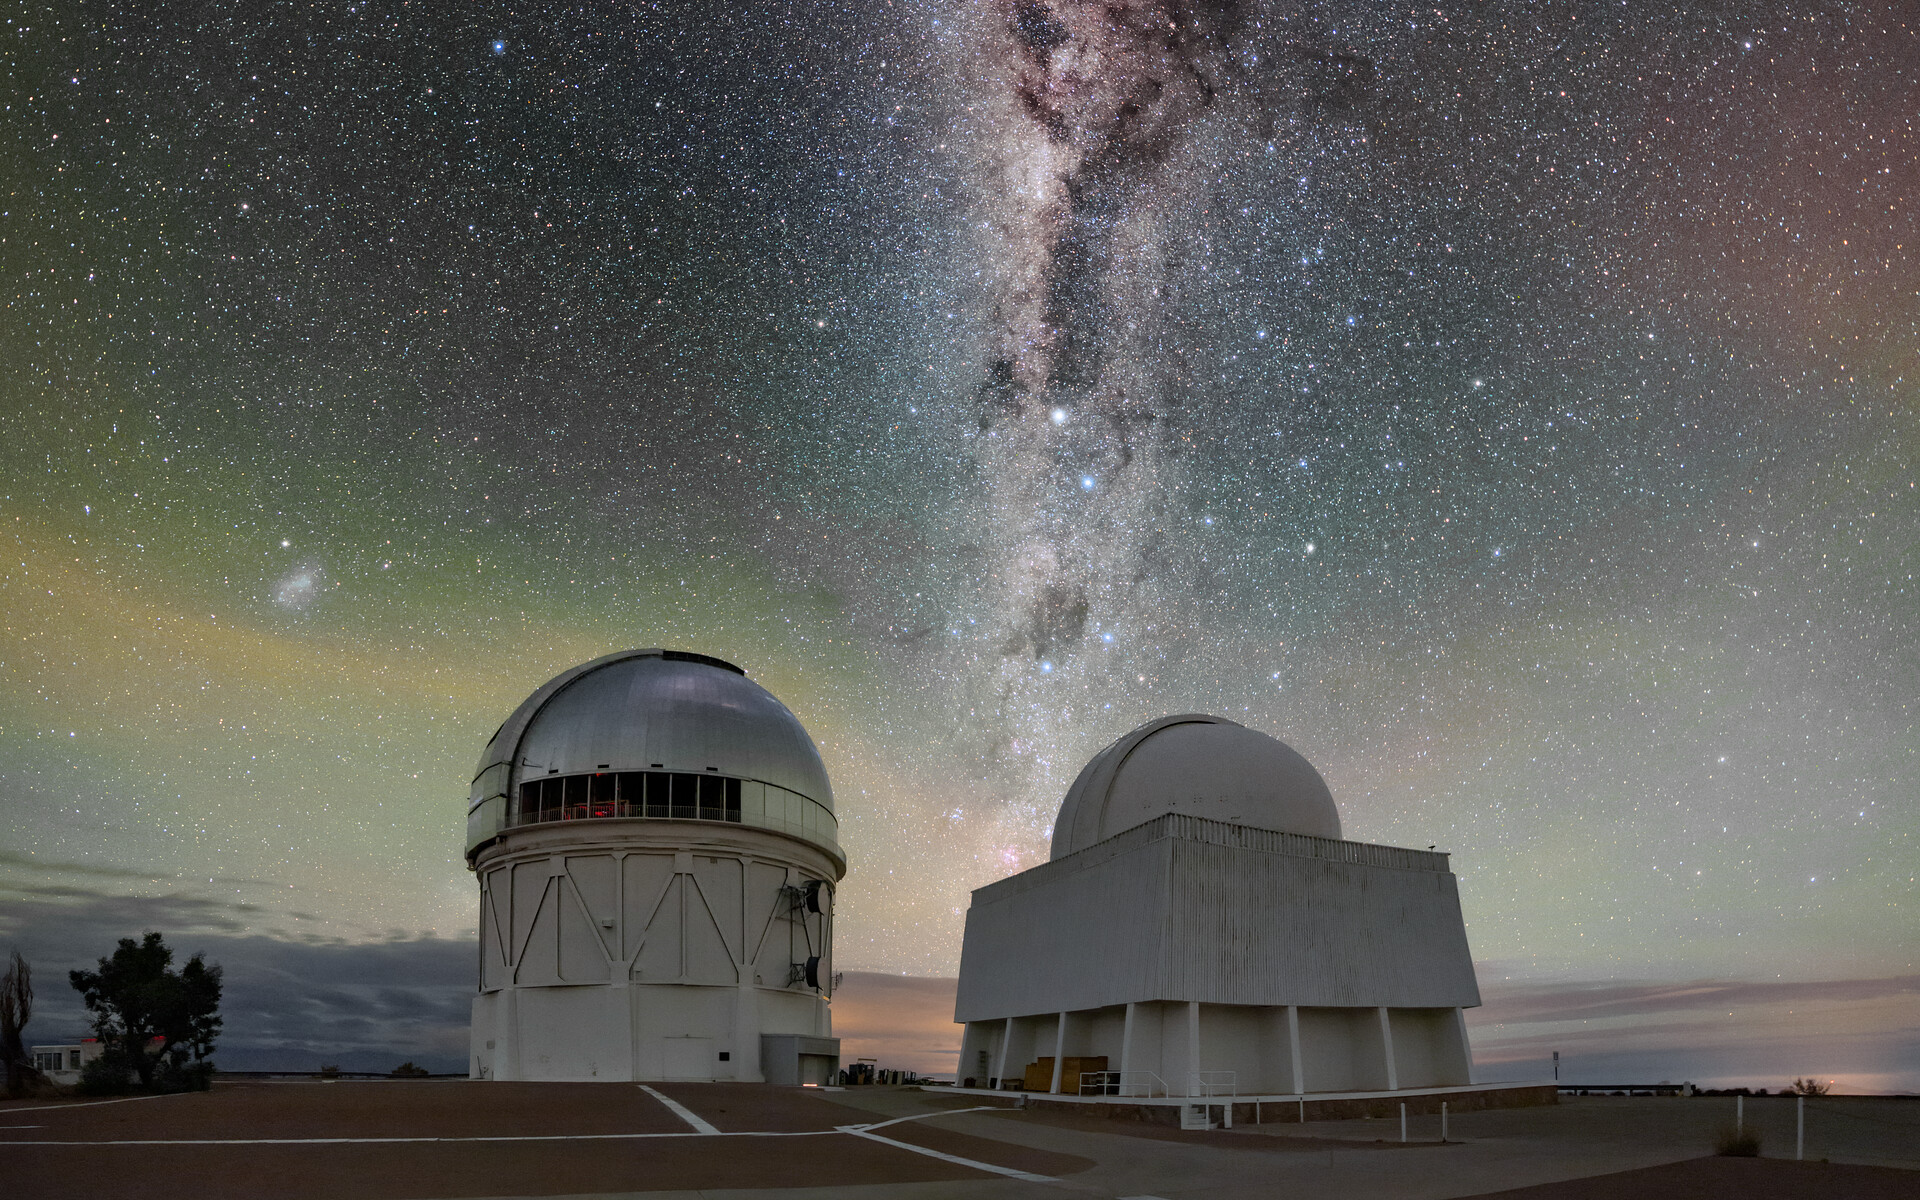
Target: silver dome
(654,710)
(1200,765)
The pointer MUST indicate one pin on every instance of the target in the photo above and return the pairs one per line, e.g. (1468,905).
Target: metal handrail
(1206,1084)
(1122,1083)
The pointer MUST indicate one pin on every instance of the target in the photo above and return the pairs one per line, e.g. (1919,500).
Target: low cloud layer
(289,1004)
(296,1004)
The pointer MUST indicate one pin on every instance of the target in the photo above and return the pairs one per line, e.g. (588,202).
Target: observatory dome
(1199,765)
(669,712)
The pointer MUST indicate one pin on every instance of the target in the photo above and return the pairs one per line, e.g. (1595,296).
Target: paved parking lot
(416,1139)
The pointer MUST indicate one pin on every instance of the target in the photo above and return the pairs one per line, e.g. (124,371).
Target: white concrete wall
(1341,1050)
(644,950)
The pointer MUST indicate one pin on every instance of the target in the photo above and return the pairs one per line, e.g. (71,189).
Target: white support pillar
(1000,1059)
(1386,1049)
(1465,1047)
(1293,1049)
(1126,1043)
(969,1039)
(1059,1052)
(1193,1044)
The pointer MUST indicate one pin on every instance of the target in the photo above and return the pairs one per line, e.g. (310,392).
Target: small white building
(63,1063)
(654,838)
(1203,928)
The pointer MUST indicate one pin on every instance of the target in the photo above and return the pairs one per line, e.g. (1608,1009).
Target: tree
(1807,1087)
(16,1009)
(151,1016)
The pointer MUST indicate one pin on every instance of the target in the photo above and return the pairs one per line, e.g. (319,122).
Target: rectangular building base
(1281,1109)
(797,1060)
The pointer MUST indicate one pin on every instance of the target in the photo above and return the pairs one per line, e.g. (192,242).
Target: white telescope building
(1203,928)
(655,843)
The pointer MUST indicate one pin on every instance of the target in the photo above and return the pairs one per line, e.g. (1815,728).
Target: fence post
(1800,1128)
(1739,1113)
(1403,1120)
(1443,1121)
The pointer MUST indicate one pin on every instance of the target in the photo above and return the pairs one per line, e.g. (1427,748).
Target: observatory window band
(671,795)
(679,795)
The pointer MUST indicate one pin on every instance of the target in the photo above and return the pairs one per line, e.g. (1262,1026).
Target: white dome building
(1199,765)
(1202,930)
(655,843)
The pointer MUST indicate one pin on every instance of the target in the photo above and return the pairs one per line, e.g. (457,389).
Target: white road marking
(680,1110)
(700,1127)
(1009,1172)
(7,1112)
(360,1141)
(926,1116)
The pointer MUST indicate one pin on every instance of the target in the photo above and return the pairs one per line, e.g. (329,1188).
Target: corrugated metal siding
(1183,908)
(1064,946)
(1258,928)
(1220,833)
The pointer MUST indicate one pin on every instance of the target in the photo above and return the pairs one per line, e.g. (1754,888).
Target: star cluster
(1506,405)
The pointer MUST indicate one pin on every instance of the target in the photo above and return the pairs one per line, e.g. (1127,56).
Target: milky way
(1510,406)
(1100,117)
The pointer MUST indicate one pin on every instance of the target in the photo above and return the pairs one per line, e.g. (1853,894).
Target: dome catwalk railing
(670,795)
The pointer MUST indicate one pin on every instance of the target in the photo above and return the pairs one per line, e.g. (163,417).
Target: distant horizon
(385,1003)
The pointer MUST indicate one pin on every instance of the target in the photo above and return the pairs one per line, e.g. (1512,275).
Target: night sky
(1506,405)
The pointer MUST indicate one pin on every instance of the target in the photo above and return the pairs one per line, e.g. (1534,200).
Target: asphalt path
(417,1139)
(377,1140)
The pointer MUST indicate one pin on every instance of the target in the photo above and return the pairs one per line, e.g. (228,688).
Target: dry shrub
(1737,1143)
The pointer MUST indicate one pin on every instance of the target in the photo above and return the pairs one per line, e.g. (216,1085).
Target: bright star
(1059,416)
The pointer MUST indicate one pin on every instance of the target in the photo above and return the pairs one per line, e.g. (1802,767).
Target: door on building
(817,1069)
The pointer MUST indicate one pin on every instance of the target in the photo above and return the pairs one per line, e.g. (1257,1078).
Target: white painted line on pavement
(1009,1172)
(680,1110)
(925,1116)
(7,1112)
(375,1141)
